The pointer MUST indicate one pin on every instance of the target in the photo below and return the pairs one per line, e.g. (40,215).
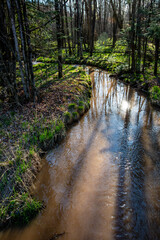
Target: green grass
(81,110)
(72,107)
(67,117)
(21,209)
(155,93)
(75,116)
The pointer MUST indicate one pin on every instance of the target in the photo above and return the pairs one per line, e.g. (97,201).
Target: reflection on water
(103,181)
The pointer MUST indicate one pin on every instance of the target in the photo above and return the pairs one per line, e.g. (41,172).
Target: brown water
(103,181)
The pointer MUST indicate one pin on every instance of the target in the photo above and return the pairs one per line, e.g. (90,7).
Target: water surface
(103,181)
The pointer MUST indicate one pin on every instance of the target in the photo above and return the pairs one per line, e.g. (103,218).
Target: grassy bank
(116,61)
(27,132)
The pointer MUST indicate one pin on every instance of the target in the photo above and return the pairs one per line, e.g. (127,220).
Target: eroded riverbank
(102,181)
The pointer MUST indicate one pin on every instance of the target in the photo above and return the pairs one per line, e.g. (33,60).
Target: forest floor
(27,132)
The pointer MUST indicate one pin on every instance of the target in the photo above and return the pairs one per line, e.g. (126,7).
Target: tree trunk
(67,29)
(93,27)
(71,17)
(156,56)
(29,55)
(23,44)
(133,35)
(17,48)
(139,36)
(59,35)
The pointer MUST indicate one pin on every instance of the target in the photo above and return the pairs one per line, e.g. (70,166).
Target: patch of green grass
(72,107)
(155,93)
(59,126)
(81,110)
(21,208)
(67,117)
(81,103)
(75,116)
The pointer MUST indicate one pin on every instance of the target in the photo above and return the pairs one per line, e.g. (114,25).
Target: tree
(13,13)
(59,36)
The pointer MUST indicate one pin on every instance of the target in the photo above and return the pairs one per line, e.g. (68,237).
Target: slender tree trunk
(63,39)
(29,55)
(21,30)
(157,43)
(67,29)
(133,35)
(71,22)
(59,35)
(156,56)
(93,26)
(146,40)
(139,36)
(105,14)
(17,48)
(114,31)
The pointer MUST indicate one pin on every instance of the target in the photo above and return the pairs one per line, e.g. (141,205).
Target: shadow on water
(131,206)
(79,162)
(131,203)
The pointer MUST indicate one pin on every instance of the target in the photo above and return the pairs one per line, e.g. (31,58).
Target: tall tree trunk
(157,43)
(93,27)
(71,23)
(67,29)
(29,54)
(23,44)
(139,36)
(145,39)
(17,48)
(105,14)
(114,31)
(156,56)
(133,35)
(59,37)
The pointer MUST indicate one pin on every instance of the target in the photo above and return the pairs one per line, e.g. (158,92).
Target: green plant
(75,116)
(22,208)
(72,107)
(67,117)
(81,103)
(81,110)
(31,152)
(59,126)
(155,93)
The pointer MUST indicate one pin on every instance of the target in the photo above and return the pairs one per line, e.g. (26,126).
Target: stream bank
(27,133)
